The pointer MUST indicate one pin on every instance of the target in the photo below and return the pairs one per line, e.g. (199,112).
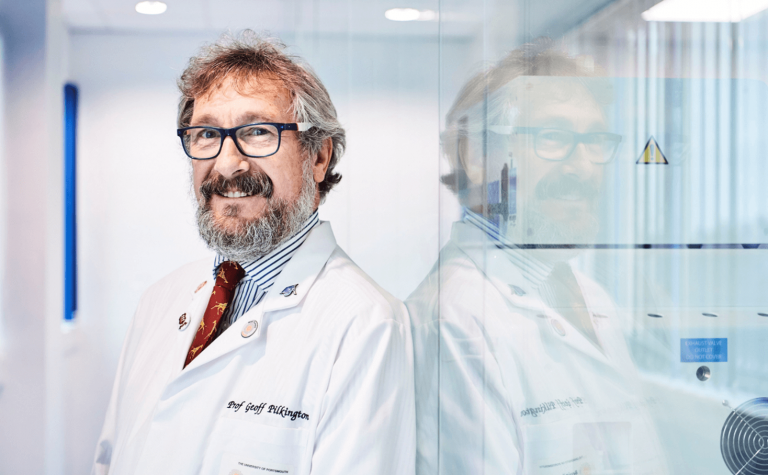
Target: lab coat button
(557,326)
(249,328)
(183,322)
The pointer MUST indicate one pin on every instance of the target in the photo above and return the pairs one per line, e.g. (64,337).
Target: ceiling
(347,17)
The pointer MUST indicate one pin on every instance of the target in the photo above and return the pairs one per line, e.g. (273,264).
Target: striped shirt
(534,270)
(261,274)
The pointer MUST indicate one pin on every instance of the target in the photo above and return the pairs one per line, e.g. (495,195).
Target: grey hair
(248,55)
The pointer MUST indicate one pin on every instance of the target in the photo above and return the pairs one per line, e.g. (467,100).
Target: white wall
(135,213)
(34,43)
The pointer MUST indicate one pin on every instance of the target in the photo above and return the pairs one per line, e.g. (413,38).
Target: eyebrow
(567,123)
(248,118)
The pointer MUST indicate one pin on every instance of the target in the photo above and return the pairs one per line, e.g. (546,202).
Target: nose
(230,162)
(580,163)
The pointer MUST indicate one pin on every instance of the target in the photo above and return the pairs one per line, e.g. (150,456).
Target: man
(521,366)
(279,355)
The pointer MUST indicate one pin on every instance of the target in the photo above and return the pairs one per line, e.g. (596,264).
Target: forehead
(563,102)
(260,96)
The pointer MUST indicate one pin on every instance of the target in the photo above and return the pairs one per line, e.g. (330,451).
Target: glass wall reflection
(597,305)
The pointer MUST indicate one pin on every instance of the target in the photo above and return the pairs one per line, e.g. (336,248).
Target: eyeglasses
(557,144)
(252,140)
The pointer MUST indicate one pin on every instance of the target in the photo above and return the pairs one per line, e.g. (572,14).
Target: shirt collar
(533,269)
(278,256)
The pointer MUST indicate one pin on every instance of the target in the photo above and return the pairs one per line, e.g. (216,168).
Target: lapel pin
(249,328)
(290,290)
(557,326)
(517,290)
(183,321)
(201,286)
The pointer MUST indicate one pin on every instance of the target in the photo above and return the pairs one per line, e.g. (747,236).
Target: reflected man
(278,355)
(521,366)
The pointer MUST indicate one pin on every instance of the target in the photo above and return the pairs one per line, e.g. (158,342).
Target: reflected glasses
(558,144)
(252,140)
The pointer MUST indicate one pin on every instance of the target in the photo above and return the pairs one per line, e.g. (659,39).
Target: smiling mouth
(570,197)
(235,194)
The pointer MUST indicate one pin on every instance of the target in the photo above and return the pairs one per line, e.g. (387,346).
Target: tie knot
(230,273)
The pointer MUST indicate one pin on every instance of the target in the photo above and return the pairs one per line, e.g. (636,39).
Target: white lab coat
(505,384)
(330,366)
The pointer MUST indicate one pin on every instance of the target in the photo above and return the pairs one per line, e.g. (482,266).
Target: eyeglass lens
(254,140)
(553,144)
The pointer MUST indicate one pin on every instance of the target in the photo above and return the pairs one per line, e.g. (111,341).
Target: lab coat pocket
(570,446)
(243,447)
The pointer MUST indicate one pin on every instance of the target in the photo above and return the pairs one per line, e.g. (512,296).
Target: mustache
(569,186)
(256,183)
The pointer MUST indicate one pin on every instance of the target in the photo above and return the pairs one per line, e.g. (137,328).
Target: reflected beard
(541,228)
(252,239)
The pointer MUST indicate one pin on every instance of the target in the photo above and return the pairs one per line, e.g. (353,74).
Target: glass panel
(588,317)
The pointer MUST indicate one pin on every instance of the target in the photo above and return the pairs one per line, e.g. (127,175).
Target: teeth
(235,194)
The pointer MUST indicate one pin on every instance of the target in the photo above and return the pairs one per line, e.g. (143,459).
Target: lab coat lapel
(501,273)
(298,276)
(494,265)
(195,311)
(302,269)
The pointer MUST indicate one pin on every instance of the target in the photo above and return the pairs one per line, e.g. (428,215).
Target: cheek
(286,174)
(530,171)
(200,171)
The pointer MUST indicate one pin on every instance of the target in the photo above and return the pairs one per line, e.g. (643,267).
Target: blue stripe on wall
(70,202)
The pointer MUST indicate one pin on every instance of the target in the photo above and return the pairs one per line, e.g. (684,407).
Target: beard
(540,227)
(252,239)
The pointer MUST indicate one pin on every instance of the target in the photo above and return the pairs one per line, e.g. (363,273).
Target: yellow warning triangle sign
(652,154)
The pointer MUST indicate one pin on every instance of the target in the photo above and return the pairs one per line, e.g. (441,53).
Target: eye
(256,131)
(201,135)
(554,136)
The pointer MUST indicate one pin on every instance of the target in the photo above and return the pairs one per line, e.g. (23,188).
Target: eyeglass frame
(232,132)
(577,139)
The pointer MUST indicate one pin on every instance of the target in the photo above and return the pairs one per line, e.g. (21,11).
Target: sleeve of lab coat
(477,429)
(106,444)
(103,457)
(465,425)
(367,424)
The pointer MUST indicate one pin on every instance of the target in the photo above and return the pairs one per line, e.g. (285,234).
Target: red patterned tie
(229,275)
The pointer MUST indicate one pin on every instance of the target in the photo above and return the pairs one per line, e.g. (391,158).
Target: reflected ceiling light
(704,10)
(151,8)
(410,14)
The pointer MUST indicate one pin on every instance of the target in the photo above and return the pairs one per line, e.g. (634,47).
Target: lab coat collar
(300,273)
(288,291)
(496,266)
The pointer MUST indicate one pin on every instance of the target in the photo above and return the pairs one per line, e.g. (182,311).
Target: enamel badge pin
(517,290)
(290,290)
(183,321)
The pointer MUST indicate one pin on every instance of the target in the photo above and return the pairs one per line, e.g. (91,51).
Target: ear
(322,160)
(471,161)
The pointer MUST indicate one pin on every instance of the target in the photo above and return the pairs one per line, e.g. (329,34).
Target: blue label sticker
(703,350)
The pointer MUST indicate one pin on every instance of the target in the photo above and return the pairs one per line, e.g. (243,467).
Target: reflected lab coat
(505,384)
(323,386)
